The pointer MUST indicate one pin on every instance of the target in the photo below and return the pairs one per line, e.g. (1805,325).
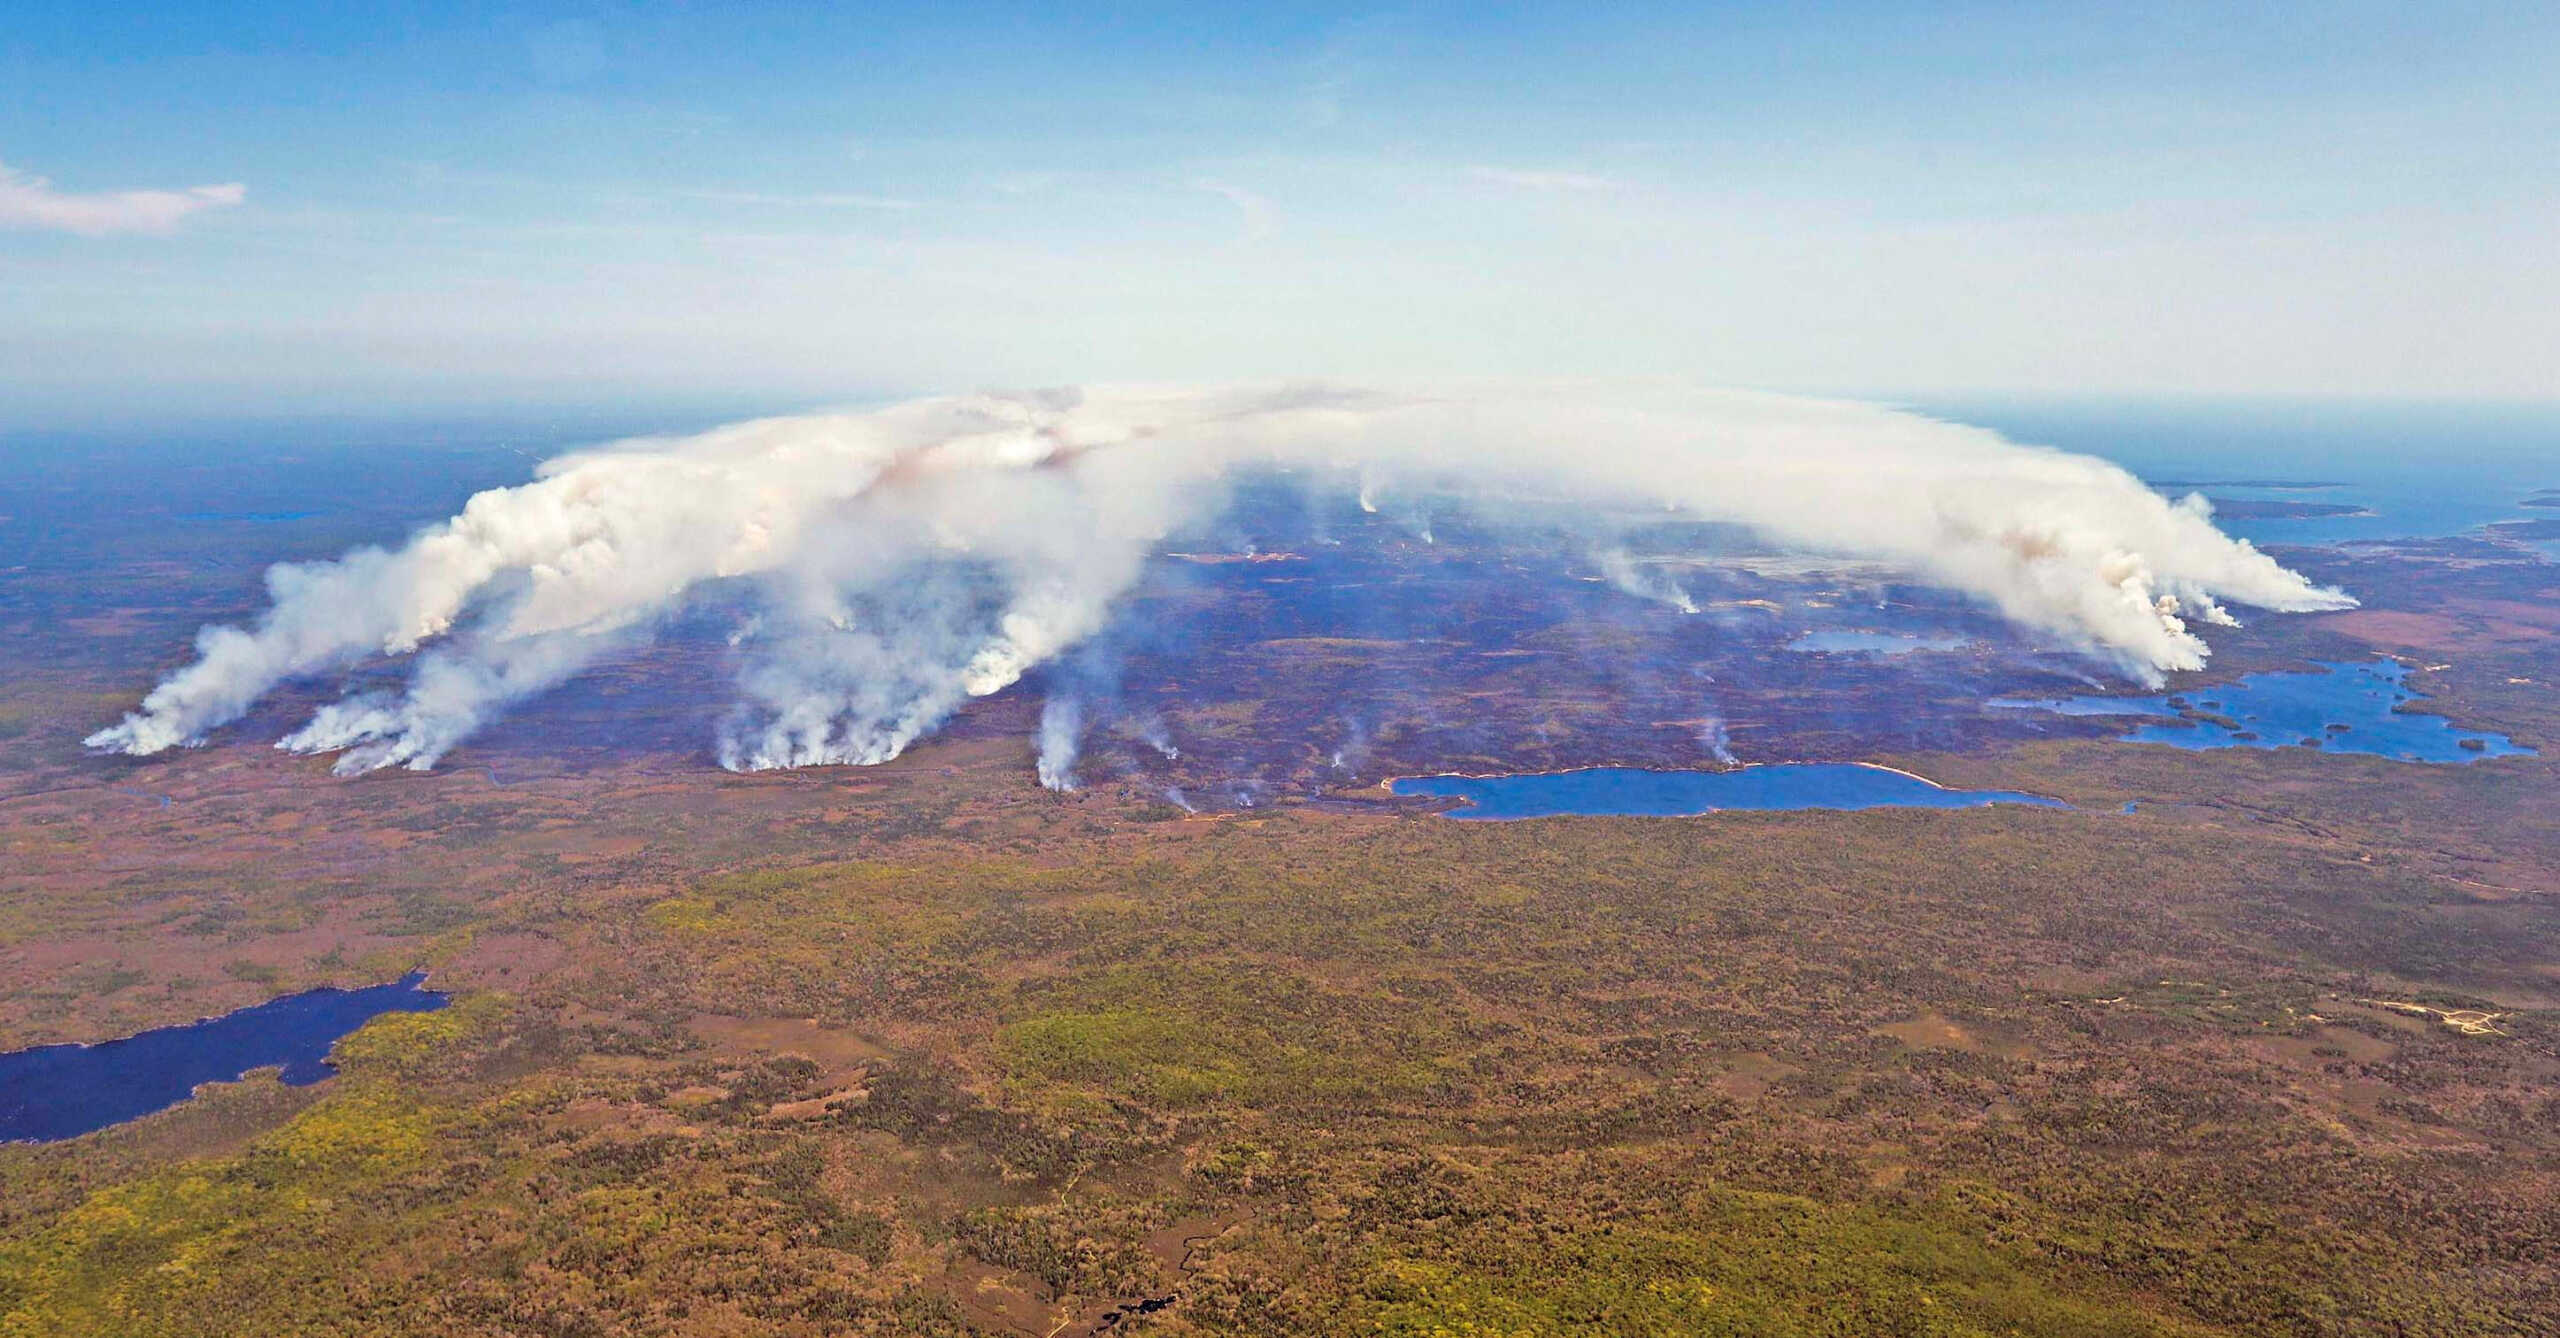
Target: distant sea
(2425,471)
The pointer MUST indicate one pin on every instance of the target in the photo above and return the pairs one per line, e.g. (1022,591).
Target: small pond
(1635,792)
(1838,641)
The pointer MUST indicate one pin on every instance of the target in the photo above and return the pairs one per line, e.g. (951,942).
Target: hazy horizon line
(645,412)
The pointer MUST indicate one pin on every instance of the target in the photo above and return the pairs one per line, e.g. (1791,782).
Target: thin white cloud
(1536,179)
(1026,183)
(1259,216)
(823,201)
(32,202)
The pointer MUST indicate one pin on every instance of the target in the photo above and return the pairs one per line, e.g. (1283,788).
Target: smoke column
(1061,729)
(1713,738)
(1619,568)
(910,558)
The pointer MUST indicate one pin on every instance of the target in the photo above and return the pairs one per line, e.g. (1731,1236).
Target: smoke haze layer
(907,559)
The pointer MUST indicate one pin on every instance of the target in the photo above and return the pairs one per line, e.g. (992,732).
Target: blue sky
(218,208)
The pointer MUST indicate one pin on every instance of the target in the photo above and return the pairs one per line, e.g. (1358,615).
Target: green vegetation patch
(1740,1263)
(1249,1032)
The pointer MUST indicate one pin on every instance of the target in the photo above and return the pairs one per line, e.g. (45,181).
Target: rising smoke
(908,559)
(1061,736)
(1620,569)
(1713,737)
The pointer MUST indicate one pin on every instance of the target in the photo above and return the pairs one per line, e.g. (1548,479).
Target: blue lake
(1634,792)
(63,1091)
(1873,643)
(2342,708)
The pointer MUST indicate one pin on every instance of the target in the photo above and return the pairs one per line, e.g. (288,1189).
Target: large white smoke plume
(913,557)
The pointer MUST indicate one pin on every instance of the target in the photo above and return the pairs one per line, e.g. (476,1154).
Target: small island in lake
(2267,508)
